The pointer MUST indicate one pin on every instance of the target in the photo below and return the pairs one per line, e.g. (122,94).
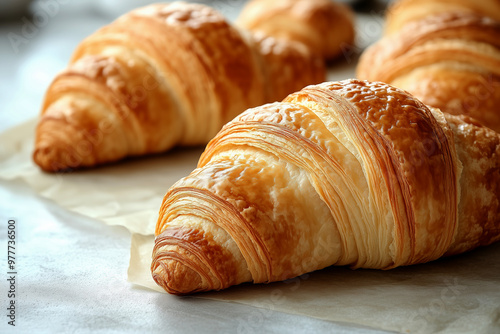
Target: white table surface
(71,270)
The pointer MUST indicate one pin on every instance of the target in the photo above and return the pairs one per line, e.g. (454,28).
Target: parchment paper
(127,194)
(455,295)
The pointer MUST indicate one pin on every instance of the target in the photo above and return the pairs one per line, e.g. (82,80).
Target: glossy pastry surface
(449,61)
(342,173)
(325,26)
(401,12)
(159,76)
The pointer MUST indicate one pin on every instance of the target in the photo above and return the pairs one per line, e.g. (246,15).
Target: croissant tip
(40,157)
(176,277)
(49,159)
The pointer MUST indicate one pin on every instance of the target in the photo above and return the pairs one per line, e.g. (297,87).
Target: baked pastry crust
(342,173)
(159,76)
(449,61)
(325,26)
(402,12)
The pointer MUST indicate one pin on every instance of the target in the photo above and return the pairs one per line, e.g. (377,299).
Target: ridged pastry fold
(326,27)
(350,173)
(160,76)
(449,60)
(402,12)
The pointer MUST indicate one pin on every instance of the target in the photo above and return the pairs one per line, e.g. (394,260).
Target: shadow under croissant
(142,163)
(341,280)
(419,298)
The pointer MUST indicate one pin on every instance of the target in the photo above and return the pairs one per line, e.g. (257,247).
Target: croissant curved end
(186,261)
(42,156)
(55,154)
(176,277)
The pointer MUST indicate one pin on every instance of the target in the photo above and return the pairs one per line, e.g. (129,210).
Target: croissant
(160,76)
(401,12)
(325,26)
(449,61)
(343,173)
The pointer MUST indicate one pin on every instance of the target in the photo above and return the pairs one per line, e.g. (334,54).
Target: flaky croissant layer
(343,173)
(159,76)
(402,12)
(449,61)
(326,27)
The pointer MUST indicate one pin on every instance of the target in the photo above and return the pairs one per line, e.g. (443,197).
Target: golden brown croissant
(159,76)
(342,173)
(325,26)
(402,12)
(450,61)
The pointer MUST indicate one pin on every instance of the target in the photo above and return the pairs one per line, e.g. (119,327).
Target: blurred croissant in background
(446,53)
(402,12)
(326,27)
(161,76)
